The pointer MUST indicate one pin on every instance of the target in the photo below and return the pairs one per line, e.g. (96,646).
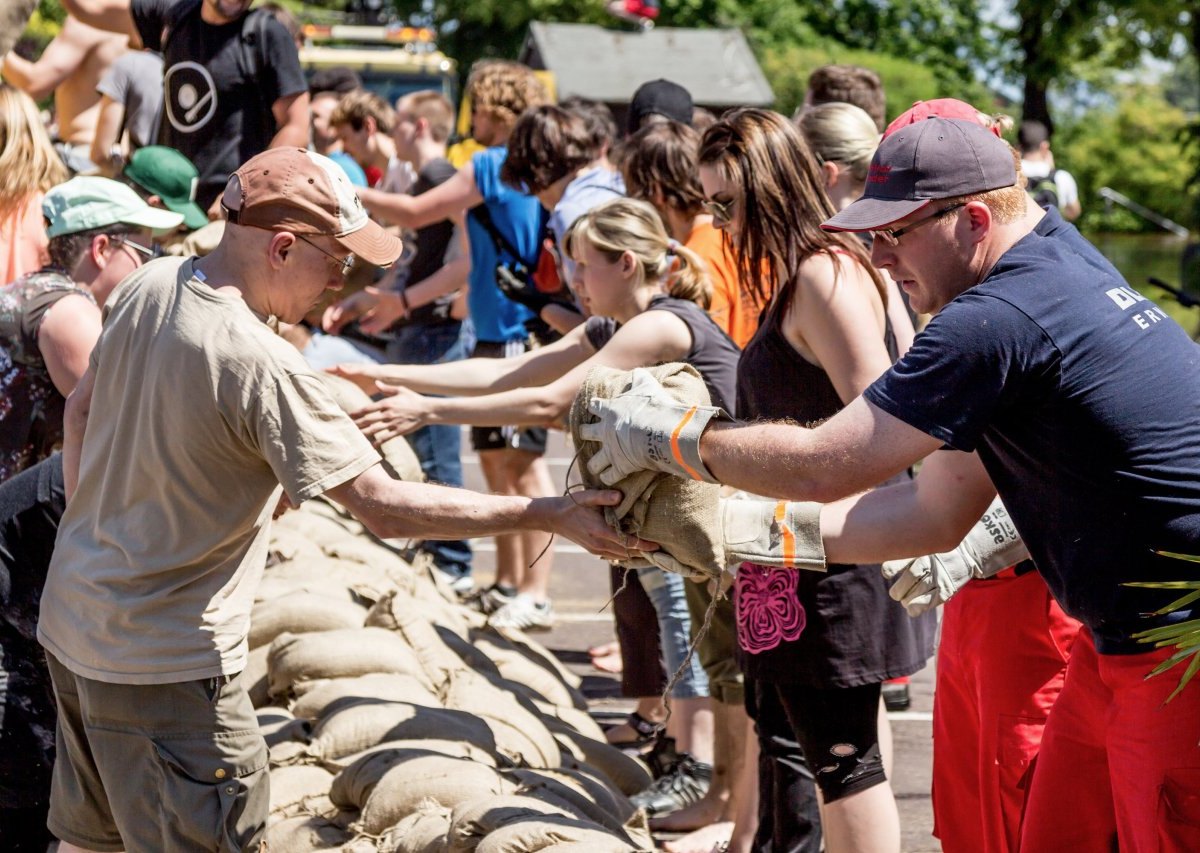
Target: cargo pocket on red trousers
(216,788)
(1179,811)
(1018,739)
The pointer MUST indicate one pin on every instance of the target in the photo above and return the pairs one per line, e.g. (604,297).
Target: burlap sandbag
(391,609)
(304,834)
(586,799)
(423,831)
(277,583)
(301,613)
(294,788)
(516,824)
(552,833)
(527,669)
(347,579)
(682,516)
(531,649)
(338,654)
(316,699)
(437,746)
(397,453)
(519,734)
(402,789)
(362,725)
(627,774)
(580,721)
(256,677)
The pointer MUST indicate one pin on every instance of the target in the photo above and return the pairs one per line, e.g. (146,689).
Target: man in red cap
(195,413)
(1052,368)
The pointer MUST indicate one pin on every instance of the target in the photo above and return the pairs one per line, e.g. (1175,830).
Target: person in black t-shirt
(232,80)
(1082,399)
(422,304)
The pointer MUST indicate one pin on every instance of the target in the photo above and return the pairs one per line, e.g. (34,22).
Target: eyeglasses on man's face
(340,265)
(149,253)
(892,237)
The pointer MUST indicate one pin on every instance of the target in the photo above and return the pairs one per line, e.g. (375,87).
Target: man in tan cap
(195,413)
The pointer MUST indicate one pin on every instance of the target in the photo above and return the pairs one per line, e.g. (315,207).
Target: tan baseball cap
(291,189)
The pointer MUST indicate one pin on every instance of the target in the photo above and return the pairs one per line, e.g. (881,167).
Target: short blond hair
(505,89)
(434,107)
(356,107)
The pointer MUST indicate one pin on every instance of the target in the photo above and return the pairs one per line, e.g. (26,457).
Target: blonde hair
(841,133)
(628,225)
(355,107)
(505,89)
(434,108)
(28,162)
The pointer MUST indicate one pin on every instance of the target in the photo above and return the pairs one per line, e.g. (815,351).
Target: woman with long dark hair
(815,647)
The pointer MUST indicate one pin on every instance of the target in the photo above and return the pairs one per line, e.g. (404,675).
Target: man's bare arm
(108,136)
(111,15)
(929,514)
(859,447)
(396,509)
(75,418)
(291,117)
(447,200)
(61,58)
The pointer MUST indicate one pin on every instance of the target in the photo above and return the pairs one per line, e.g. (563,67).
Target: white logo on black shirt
(191,96)
(1126,297)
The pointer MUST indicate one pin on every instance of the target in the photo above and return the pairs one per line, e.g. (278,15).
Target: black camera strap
(484,217)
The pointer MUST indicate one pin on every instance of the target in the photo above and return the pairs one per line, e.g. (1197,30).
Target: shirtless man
(70,67)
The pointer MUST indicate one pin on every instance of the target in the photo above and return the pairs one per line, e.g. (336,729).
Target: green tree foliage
(1133,147)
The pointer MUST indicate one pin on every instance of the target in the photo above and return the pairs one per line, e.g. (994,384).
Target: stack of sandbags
(394,716)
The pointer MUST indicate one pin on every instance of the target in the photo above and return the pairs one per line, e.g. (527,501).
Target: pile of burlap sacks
(397,720)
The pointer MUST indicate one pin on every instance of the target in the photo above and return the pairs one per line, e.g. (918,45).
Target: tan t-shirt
(199,412)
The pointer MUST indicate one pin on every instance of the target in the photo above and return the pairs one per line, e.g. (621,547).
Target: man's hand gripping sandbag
(780,534)
(990,547)
(646,429)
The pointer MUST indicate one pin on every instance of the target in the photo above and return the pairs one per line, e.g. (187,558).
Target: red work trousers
(1000,667)
(1115,761)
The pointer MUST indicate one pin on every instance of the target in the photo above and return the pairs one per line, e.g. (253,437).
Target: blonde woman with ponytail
(646,296)
(29,166)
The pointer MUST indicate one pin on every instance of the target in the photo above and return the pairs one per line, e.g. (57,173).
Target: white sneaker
(524,613)
(460,585)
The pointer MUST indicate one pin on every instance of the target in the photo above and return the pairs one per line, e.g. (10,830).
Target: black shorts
(532,439)
(837,729)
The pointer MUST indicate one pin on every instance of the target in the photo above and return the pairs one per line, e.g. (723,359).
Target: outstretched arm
(396,509)
(61,58)
(113,16)
(445,201)
(928,514)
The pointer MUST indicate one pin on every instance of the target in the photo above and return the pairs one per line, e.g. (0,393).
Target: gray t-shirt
(136,80)
(199,412)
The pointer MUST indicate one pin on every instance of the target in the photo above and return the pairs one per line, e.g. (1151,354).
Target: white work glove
(646,429)
(990,547)
(784,534)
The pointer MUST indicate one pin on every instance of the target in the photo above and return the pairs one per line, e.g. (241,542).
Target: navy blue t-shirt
(1083,401)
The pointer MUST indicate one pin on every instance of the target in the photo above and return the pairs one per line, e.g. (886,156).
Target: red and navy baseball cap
(939,108)
(932,159)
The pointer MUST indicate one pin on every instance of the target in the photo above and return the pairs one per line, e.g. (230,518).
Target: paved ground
(580,590)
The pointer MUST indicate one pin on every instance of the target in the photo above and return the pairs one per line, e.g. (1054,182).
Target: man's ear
(99,250)
(282,243)
(979,218)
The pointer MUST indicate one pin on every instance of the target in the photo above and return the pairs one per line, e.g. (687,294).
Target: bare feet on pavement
(706,839)
(606,657)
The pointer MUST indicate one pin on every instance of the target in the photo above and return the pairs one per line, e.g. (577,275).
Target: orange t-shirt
(733,308)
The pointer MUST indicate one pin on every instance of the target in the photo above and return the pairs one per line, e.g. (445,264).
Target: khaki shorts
(718,648)
(161,767)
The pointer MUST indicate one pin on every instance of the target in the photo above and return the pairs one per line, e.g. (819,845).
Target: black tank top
(833,629)
(713,352)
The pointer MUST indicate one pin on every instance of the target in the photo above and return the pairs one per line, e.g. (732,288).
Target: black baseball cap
(932,159)
(661,97)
